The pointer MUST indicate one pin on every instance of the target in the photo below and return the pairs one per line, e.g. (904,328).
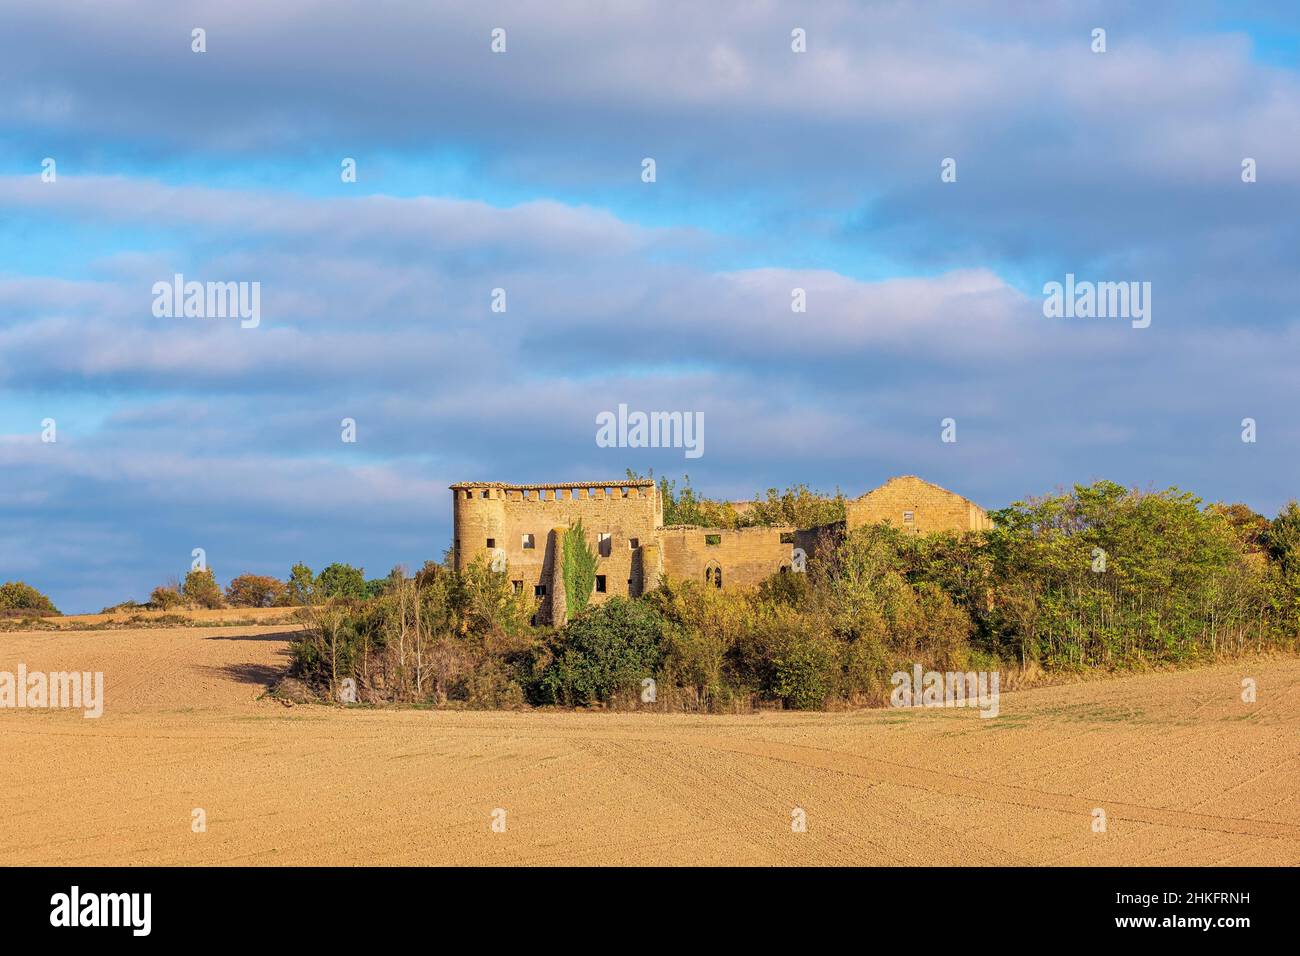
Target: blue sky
(522,171)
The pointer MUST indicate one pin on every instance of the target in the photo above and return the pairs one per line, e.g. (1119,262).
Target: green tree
(1283,542)
(610,648)
(1106,576)
(797,506)
(201,588)
(301,586)
(342,581)
(688,508)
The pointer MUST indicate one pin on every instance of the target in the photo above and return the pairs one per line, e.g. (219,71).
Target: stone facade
(742,557)
(523,525)
(917,506)
(521,528)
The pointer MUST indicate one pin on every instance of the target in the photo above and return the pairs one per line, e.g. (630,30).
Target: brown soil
(1185,771)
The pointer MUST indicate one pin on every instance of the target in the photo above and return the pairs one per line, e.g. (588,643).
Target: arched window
(713,575)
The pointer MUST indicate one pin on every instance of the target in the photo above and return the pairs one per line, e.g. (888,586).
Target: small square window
(633,543)
(600,584)
(483,493)
(517,585)
(787,537)
(909,517)
(604,544)
(539,590)
(712,539)
(492,542)
(529,541)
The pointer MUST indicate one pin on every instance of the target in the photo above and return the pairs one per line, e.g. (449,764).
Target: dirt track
(1186,772)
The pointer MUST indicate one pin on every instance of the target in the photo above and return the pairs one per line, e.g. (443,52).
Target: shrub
(165,597)
(1109,577)
(797,506)
(123,606)
(254,590)
(342,581)
(609,648)
(17,596)
(436,638)
(804,671)
(300,589)
(201,590)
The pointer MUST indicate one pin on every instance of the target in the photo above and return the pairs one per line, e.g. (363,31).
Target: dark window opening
(517,585)
(529,541)
(713,576)
(713,539)
(539,590)
(605,544)
(633,543)
(787,537)
(492,542)
(600,584)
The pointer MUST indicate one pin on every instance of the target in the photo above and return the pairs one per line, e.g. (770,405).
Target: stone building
(918,506)
(521,528)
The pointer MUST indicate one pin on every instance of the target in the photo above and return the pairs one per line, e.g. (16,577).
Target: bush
(804,671)
(201,590)
(341,581)
(17,596)
(300,589)
(608,649)
(1109,577)
(254,590)
(166,597)
(440,637)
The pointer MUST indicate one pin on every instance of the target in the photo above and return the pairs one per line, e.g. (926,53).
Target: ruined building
(521,528)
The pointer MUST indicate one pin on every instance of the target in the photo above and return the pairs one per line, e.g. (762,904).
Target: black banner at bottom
(362,906)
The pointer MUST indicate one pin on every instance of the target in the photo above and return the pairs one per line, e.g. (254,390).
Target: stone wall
(745,556)
(622,522)
(917,506)
(628,512)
